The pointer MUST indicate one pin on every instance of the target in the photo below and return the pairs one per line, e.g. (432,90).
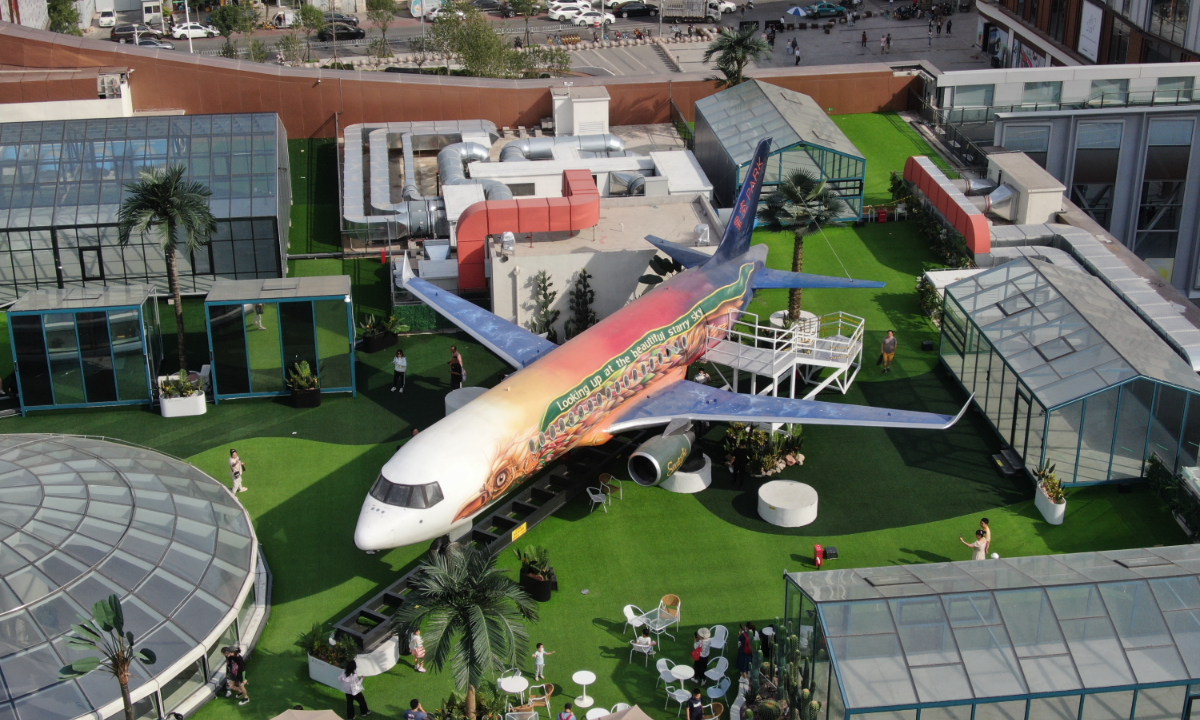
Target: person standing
(235,673)
(259,308)
(949,24)
(399,371)
(930,43)
(745,652)
(352,686)
(456,373)
(416,644)
(889,43)
(700,650)
(539,661)
(864,38)
(939,26)
(882,44)
(986,527)
(695,706)
(566,714)
(458,356)
(414,711)
(236,469)
(979,546)
(888,347)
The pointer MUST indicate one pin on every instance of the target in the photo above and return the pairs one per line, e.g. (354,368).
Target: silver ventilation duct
(543,148)
(410,191)
(975,186)
(452,168)
(1001,203)
(623,183)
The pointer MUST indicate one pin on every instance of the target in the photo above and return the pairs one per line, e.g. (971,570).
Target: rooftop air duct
(542,148)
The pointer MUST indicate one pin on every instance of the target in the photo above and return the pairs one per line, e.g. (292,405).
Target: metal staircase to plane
(807,350)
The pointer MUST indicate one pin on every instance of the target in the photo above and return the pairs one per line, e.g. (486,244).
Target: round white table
(683,672)
(584,678)
(514,685)
(787,503)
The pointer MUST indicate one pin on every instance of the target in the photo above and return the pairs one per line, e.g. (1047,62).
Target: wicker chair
(539,696)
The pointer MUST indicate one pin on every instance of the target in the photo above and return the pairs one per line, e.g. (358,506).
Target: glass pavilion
(82,519)
(1090,636)
(730,124)
(82,347)
(1068,374)
(62,183)
(259,329)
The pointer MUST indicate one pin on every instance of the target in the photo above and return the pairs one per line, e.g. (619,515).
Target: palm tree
(105,632)
(803,204)
(470,614)
(164,204)
(734,51)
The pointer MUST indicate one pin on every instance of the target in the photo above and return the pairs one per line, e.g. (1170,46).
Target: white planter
(184,406)
(690,482)
(324,673)
(1054,514)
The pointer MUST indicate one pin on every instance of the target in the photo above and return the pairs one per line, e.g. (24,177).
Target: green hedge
(421,318)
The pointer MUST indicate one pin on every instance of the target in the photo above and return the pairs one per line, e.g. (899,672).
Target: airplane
(628,371)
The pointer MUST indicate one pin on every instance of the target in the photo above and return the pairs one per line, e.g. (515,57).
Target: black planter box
(538,589)
(306,398)
(375,343)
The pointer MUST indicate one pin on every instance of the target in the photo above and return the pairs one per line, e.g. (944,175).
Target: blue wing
(765,278)
(686,400)
(514,344)
(686,256)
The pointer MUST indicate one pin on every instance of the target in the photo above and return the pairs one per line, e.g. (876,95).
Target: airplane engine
(658,458)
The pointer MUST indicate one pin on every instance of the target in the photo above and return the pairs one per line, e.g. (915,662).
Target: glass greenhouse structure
(259,329)
(85,518)
(62,183)
(1089,636)
(730,124)
(83,347)
(1068,374)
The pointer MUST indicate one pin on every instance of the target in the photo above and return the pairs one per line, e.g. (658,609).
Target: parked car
(569,11)
(495,6)
(108,18)
(438,12)
(581,5)
(341,31)
(593,17)
(193,30)
(335,17)
(725,6)
(125,33)
(152,43)
(635,9)
(825,9)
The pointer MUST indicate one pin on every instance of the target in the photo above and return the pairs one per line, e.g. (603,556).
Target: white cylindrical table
(690,482)
(455,399)
(514,685)
(683,672)
(787,503)
(584,678)
(779,318)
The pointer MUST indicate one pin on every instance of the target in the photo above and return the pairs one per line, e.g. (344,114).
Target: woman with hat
(700,654)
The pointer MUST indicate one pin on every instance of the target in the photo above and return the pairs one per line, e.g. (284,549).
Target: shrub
(930,300)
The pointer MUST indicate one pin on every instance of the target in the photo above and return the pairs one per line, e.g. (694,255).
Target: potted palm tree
(451,598)
(173,210)
(305,386)
(537,577)
(1049,497)
(105,632)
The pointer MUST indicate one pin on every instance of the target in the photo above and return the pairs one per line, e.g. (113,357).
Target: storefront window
(1118,42)
(1162,194)
(1168,19)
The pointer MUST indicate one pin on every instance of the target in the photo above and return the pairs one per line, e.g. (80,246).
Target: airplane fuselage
(566,399)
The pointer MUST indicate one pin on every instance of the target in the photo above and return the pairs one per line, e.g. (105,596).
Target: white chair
(717,692)
(633,618)
(612,483)
(720,638)
(597,496)
(664,671)
(597,713)
(680,695)
(619,707)
(647,650)
(717,673)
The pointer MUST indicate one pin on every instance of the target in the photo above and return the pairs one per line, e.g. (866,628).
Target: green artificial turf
(886,141)
(368,281)
(314,196)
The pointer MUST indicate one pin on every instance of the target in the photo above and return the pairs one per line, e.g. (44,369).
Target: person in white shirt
(352,685)
(399,371)
(539,661)
(236,468)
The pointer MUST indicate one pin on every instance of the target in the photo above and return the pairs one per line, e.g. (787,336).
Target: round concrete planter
(1053,513)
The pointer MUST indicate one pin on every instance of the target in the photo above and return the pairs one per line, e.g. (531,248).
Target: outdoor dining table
(584,678)
(514,685)
(658,620)
(683,672)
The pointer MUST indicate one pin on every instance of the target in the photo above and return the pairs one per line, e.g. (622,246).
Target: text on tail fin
(741,226)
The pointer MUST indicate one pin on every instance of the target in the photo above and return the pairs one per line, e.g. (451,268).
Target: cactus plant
(768,710)
(812,710)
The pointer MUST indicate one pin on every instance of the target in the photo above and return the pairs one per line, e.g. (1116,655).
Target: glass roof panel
(872,670)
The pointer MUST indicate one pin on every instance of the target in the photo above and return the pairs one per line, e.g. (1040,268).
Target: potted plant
(537,577)
(181,398)
(379,333)
(305,385)
(327,654)
(1049,497)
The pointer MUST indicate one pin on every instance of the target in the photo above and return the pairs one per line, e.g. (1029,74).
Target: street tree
(526,9)
(803,204)
(64,17)
(382,12)
(290,48)
(311,20)
(734,50)
(166,206)
(230,19)
(105,633)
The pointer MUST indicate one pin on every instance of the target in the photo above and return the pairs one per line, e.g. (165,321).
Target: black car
(495,6)
(341,31)
(125,33)
(335,17)
(635,9)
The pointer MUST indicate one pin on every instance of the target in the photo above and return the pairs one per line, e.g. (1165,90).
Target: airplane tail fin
(736,240)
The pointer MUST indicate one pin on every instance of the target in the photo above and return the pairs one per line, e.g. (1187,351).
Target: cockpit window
(418,497)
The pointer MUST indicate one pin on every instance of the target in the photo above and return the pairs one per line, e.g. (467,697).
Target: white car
(438,12)
(593,17)
(567,12)
(108,18)
(193,30)
(725,6)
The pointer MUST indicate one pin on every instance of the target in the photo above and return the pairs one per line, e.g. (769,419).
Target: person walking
(930,36)
(939,27)
(745,651)
(399,371)
(695,706)
(352,686)
(986,527)
(236,468)
(888,347)
(949,24)
(235,674)
(700,650)
(979,546)
(864,39)
(458,356)
(539,661)
(882,44)
(416,643)
(797,53)
(889,43)
(259,309)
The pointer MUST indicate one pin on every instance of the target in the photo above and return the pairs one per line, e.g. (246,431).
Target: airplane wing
(685,256)
(686,400)
(514,344)
(767,278)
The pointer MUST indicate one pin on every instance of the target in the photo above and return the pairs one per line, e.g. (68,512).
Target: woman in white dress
(236,468)
(980,545)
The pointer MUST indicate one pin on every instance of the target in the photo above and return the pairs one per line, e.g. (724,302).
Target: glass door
(1018,433)
(1191,708)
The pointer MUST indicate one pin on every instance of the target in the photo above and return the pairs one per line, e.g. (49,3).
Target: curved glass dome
(81,519)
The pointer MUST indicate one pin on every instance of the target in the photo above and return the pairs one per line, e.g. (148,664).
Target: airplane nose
(371,533)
